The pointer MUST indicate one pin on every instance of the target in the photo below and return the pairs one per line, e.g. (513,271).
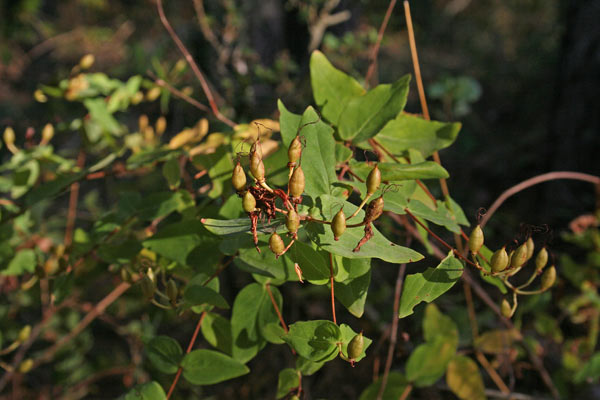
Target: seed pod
(238,178)
(161,125)
(292,221)
(24,333)
(373,180)
(374,209)
(47,134)
(295,150)
(476,239)
(548,278)
(153,93)
(276,244)
(257,167)
(143,122)
(39,96)
(296,184)
(137,98)
(355,347)
(541,259)
(148,287)
(172,291)
(87,61)
(338,224)
(530,248)
(9,136)
(519,257)
(499,260)
(26,366)
(506,309)
(248,202)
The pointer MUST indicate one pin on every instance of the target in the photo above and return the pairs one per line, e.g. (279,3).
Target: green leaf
(364,116)
(147,391)
(399,172)
(171,172)
(429,285)
(352,293)
(24,261)
(318,157)
(232,226)
(342,153)
(164,353)
(437,324)
(196,295)
(590,371)
(439,216)
(332,89)
(288,380)
(51,188)
(265,263)
(393,390)
(161,204)
(176,241)
(427,363)
(347,335)
(99,113)
(247,340)
(464,379)
(217,331)
(315,340)
(377,247)
(411,132)
(207,367)
(497,341)
(268,321)
(307,367)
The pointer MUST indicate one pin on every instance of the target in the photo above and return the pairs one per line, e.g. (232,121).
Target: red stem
(332,289)
(373,55)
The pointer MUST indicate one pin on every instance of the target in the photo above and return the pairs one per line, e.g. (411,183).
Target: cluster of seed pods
(505,265)
(258,200)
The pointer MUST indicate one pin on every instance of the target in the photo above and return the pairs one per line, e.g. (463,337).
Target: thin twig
(178,93)
(492,372)
(549,176)
(332,289)
(73,199)
(276,307)
(189,349)
(375,51)
(406,392)
(190,60)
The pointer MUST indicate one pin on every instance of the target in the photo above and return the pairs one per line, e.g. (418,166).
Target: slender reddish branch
(73,199)
(375,51)
(178,93)
(189,349)
(332,289)
(550,176)
(276,307)
(190,60)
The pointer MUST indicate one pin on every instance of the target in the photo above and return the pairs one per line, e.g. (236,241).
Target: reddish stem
(332,289)
(375,51)
(276,307)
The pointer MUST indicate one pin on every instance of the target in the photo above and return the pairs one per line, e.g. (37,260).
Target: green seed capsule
(338,224)
(172,291)
(276,244)
(476,239)
(292,221)
(257,167)
(374,209)
(548,278)
(296,184)
(148,287)
(506,309)
(295,150)
(530,248)
(24,333)
(26,366)
(355,347)
(541,259)
(519,257)
(499,260)
(238,178)
(248,202)
(373,180)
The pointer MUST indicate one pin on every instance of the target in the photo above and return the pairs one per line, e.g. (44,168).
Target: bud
(499,260)
(26,366)
(172,291)
(276,244)
(9,136)
(506,309)
(39,96)
(143,122)
(257,167)
(476,239)
(295,150)
(148,287)
(338,224)
(248,202)
(355,347)
(87,61)
(530,248)
(374,209)
(137,98)
(47,134)
(238,179)
(292,221)
(24,333)
(519,257)
(296,184)
(548,278)
(373,180)
(153,93)
(541,259)
(125,275)
(161,125)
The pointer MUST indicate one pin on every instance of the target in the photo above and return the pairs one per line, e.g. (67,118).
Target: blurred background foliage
(521,76)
